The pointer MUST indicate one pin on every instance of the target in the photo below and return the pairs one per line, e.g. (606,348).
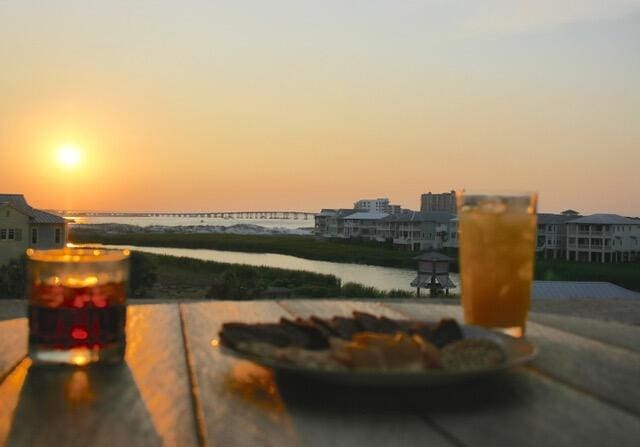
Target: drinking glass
(497,245)
(77,305)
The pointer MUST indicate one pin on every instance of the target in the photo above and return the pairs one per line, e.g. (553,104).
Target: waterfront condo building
(330,222)
(408,230)
(22,227)
(595,238)
(603,238)
(552,235)
(444,203)
(416,230)
(363,224)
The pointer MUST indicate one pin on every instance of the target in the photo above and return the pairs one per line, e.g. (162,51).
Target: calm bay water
(383,278)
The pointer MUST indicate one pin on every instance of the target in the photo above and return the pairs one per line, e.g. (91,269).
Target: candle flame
(80,358)
(87,281)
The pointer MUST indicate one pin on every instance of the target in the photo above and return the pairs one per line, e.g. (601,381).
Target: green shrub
(354,290)
(226,286)
(311,291)
(625,275)
(399,293)
(142,274)
(13,279)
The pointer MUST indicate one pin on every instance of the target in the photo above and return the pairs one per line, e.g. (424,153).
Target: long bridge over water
(296,215)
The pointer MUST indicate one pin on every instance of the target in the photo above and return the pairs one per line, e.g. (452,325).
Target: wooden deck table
(177,389)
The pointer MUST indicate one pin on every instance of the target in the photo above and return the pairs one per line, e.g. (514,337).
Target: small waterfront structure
(433,273)
(22,227)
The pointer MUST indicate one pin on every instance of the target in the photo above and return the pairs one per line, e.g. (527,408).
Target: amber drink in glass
(77,305)
(497,245)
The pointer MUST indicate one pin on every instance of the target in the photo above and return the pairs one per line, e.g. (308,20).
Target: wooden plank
(575,413)
(330,308)
(13,344)
(146,401)
(283,409)
(361,416)
(158,362)
(607,371)
(237,400)
(610,332)
(525,409)
(13,349)
(9,397)
(425,311)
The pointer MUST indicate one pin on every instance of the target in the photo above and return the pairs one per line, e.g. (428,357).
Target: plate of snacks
(368,350)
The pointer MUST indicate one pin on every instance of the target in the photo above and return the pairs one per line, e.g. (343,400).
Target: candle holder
(77,305)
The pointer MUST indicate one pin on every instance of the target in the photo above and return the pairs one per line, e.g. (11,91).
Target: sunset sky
(203,106)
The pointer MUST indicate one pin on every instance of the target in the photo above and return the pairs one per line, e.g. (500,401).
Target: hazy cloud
(497,17)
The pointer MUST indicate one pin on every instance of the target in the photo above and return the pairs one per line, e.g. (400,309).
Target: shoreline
(239,229)
(337,251)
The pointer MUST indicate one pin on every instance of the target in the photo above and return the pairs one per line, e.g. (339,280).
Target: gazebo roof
(433,256)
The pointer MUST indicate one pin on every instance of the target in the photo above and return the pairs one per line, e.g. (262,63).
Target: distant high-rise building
(380,205)
(445,202)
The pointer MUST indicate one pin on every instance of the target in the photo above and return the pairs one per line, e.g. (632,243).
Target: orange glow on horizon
(294,110)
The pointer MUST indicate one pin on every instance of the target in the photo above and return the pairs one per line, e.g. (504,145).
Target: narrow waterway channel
(383,278)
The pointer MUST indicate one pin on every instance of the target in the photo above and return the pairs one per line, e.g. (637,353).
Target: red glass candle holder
(77,305)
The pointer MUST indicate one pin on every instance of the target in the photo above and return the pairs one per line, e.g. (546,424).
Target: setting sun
(68,156)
